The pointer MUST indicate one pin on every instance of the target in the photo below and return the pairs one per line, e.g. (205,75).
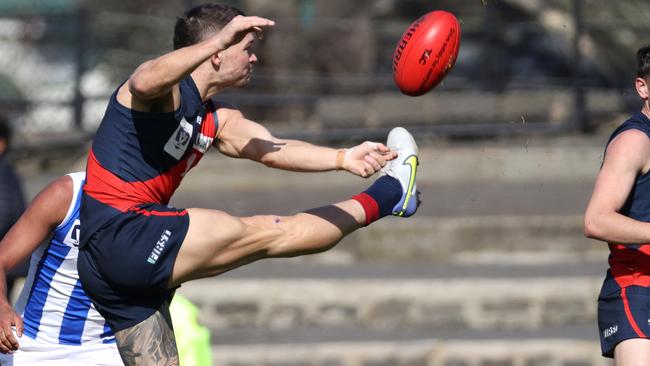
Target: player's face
(237,62)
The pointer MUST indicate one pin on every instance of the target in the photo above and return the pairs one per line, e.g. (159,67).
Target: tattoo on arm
(149,343)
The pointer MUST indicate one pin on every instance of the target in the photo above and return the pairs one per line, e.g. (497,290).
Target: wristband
(340,157)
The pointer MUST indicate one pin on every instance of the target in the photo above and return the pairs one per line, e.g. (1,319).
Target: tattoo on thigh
(149,343)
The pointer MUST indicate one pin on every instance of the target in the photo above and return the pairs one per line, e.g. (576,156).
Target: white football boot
(404,169)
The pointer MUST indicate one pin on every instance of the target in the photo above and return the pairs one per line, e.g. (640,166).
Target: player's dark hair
(643,62)
(201,21)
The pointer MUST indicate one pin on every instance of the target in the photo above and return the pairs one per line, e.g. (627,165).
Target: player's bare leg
(632,352)
(149,343)
(217,242)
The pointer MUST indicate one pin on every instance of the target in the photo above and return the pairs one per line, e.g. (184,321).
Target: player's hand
(367,158)
(238,27)
(9,318)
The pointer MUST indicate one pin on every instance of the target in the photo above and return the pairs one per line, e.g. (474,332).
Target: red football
(426,52)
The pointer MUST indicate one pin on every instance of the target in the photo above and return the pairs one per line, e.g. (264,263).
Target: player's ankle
(380,198)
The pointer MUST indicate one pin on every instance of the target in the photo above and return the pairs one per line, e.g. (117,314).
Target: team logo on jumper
(203,143)
(179,140)
(610,331)
(160,246)
(72,237)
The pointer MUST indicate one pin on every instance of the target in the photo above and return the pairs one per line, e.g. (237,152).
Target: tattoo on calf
(149,343)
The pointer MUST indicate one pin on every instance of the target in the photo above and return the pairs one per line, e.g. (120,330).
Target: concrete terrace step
(393,304)
(449,107)
(313,335)
(293,268)
(552,351)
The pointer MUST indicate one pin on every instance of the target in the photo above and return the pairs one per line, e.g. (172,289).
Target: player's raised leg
(632,352)
(217,242)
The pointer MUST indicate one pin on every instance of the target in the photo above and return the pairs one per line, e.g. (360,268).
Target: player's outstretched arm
(156,78)
(626,158)
(242,138)
(45,212)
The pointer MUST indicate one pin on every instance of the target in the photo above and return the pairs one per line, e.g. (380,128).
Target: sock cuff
(370,207)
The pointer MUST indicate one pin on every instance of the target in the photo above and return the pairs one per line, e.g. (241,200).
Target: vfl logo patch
(72,237)
(203,143)
(160,246)
(179,140)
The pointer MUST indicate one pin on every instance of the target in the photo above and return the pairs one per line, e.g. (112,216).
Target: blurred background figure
(11,198)
(192,338)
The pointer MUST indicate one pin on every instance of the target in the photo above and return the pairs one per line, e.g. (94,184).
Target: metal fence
(325,69)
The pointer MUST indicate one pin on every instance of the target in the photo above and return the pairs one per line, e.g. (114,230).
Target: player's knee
(293,238)
(256,233)
(274,232)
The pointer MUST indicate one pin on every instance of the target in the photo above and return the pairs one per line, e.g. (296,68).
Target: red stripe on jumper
(144,212)
(628,314)
(209,129)
(106,187)
(630,266)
